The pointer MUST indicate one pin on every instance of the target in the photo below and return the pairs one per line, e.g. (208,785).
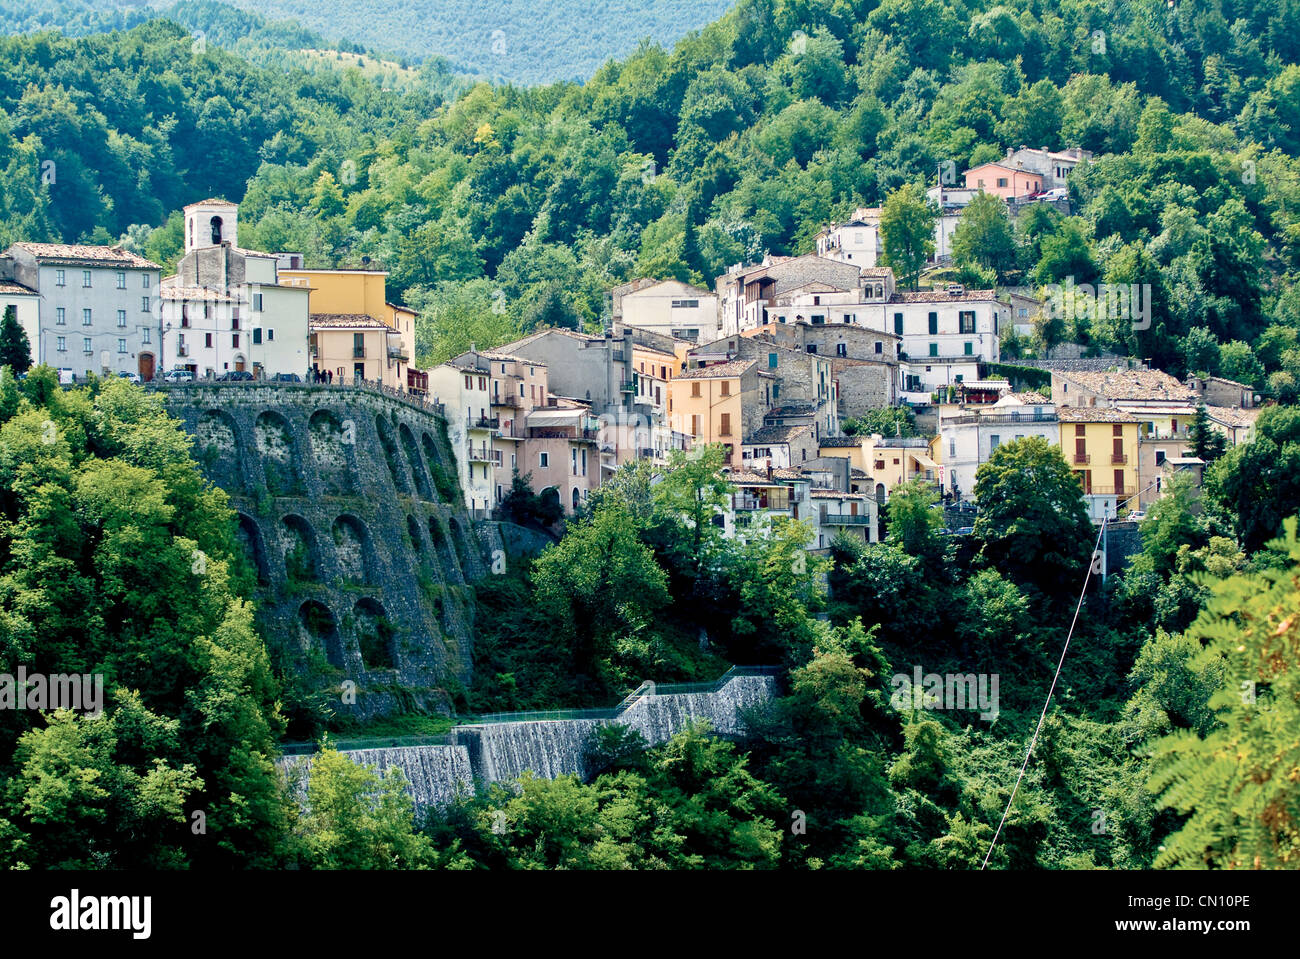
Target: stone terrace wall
(352,515)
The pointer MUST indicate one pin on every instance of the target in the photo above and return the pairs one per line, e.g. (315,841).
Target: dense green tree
(1032,524)
(15,350)
(1233,782)
(907,232)
(984,237)
(119,560)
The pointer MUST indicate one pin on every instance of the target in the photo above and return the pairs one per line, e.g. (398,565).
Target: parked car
(234,376)
(286,378)
(1060,193)
(129,376)
(179,376)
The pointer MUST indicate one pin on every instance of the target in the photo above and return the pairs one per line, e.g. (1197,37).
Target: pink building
(1004,181)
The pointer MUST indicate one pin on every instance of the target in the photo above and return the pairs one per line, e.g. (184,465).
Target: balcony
(775,500)
(1118,458)
(481,454)
(562,433)
(182,350)
(1082,458)
(511,402)
(485,423)
(1109,490)
(845,519)
(398,353)
(358,352)
(628,387)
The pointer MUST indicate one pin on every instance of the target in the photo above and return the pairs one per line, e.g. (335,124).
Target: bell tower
(211,223)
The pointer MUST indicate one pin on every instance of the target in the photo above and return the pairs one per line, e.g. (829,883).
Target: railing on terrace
(646,688)
(414,400)
(374,742)
(845,519)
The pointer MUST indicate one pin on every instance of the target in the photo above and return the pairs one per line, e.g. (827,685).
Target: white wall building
(225,309)
(968,438)
(466,391)
(855,241)
(668,307)
(97,307)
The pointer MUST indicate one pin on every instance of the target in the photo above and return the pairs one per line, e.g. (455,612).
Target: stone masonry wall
(362,559)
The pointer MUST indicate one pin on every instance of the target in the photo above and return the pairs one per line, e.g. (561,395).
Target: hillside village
(771,365)
(862,435)
(777,365)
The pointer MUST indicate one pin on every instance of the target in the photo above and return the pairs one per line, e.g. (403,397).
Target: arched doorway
(239,362)
(146,366)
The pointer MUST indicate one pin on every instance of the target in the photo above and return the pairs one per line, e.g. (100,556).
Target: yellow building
(708,403)
(355,332)
(1101,446)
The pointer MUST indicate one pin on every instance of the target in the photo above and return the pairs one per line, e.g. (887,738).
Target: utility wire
(1087,577)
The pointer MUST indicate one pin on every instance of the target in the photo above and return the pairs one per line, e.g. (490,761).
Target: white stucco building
(225,309)
(96,306)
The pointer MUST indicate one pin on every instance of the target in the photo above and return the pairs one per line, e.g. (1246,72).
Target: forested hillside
(517,41)
(511,207)
(746,137)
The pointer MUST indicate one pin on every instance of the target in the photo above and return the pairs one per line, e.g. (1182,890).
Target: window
(85,278)
(544,460)
(207,340)
(469,382)
(1002,181)
(121,317)
(812,347)
(573,459)
(686,304)
(270,336)
(257,302)
(994,441)
(86,345)
(970,348)
(121,345)
(257,335)
(724,424)
(880,347)
(841,349)
(934,324)
(60,278)
(966,321)
(898,324)
(234,322)
(144,304)
(726,387)
(234,340)
(86,318)
(934,349)
(771,361)
(121,280)
(145,338)
(695,388)
(61,316)
(1160,457)
(145,278)
(63,344)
